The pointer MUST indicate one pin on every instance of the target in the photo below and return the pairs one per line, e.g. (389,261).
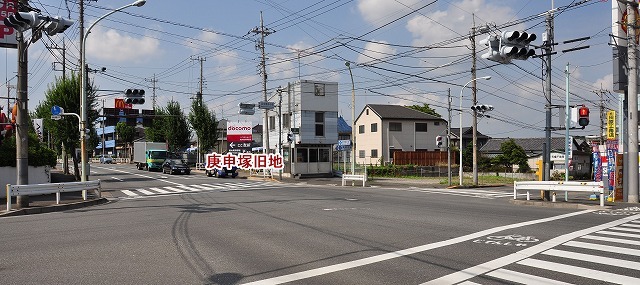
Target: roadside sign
(266,105)
(239,131)
(56,110)
(56,117)
(295,131)
(343,147)
(344,142)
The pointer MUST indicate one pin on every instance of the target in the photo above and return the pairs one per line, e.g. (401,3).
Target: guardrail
(50,188)
(559,186)
(353,177)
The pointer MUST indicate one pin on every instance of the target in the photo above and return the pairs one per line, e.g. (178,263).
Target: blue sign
(343,147)
(344,142)
(56,110)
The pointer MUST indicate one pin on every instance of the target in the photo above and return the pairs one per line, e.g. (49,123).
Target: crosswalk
(607,256)
(180,189)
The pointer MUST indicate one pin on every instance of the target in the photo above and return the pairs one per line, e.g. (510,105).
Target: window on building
(367,111)
(319,89)
(361,129)
(324,155)
(272,122)
(301,155)
(286,121)
(313,155)
(361,153)
(319,124)
(374,127)
(395,127)
(421,127)
(374,153)
(436,123)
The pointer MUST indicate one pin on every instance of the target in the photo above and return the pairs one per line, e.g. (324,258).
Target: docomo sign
(239,132)
(244,161)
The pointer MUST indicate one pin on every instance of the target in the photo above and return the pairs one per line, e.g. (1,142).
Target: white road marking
(145,176)
(579,271)
(469,283)
(174,189)
(146,192)
(400,253)
(611,233)
(632,226)
(523,278)
(189,188)
(602,247)
(480,269)
(116,178)
(129,193)
(622,228)
(594,258)
(160,190)
(617,240)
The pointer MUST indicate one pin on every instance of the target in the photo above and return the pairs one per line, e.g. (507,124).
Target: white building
(310,115)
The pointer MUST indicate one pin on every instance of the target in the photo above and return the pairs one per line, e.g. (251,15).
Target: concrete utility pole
(83,104)
(22,125)
(632,129)
(153,91)
(199,98)
(474,101)
(548,47)
(263,33)
(448,138)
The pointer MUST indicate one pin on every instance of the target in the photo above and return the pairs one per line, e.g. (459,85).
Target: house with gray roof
(580,161)
(383,129)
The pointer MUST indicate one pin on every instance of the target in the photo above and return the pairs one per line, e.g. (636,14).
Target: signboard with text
(239,131)
(120,104)
(244,161)
(7,34)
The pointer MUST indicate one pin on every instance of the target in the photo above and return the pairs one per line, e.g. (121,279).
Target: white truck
(149,155)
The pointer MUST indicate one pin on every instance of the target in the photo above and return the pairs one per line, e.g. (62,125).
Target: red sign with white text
(239,131)
(7,34)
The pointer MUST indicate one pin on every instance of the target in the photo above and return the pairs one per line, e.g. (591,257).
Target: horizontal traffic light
(22,21)
(134,96)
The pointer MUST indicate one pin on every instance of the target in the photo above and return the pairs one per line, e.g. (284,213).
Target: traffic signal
(134,96)
(439,141)
(515,45)
(22,21)
(289,137)
(583,116)
(493,42)
(246,109)
(482,108)
(57,25)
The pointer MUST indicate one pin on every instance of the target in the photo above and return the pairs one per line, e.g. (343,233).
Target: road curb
(560,205)
(54,208)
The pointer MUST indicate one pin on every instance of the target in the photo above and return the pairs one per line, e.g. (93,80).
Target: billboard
(239,131)
(7,34)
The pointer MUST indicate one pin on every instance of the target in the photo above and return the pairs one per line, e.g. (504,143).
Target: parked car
(222,173)
(106,159)
(175,165)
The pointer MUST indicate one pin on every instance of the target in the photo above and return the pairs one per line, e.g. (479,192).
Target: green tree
(64,93)
(156,132)
(512,154)
(38,153)
(205,125)
(125,134)
(425,108)
(177,130)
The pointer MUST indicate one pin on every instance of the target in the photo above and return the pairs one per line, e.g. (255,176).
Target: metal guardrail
(50,188)
(559,186)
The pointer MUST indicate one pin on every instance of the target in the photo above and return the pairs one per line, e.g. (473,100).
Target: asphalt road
(203,230)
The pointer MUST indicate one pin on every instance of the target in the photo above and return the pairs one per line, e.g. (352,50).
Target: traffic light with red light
(583,116)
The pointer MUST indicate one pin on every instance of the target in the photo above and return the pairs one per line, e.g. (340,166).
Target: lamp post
(353,120)
(83,88)
(460,138)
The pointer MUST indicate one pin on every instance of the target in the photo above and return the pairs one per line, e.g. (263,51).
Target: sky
(402,52)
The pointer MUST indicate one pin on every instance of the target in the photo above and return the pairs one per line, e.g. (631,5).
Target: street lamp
(353,121)
(460,138)
(83,88)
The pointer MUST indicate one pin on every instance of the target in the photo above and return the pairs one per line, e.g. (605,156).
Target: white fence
(559,186)
(49,188)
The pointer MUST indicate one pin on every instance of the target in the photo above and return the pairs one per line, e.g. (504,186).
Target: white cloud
(605,82)
(378,12)
(375,51)
(204,41)
(115,46)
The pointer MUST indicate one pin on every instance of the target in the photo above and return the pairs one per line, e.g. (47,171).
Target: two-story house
(383,129)
(310,115)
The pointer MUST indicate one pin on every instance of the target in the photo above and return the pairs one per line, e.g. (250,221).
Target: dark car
(178,166)
(224,172)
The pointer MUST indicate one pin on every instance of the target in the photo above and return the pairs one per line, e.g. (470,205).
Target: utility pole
(474,102)
(22,125)
(82,77)
(153,91)
(263,33)
(280,127)
(448,138)
(632,129)
(199,98)
(548,47)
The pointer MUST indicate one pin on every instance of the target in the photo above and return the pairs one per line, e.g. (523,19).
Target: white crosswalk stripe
(476,193)
(178,189)
(569,259)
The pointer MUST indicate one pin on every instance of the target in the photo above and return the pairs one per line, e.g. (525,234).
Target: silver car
(106,159)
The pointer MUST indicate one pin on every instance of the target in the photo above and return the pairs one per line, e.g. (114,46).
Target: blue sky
(385,39)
